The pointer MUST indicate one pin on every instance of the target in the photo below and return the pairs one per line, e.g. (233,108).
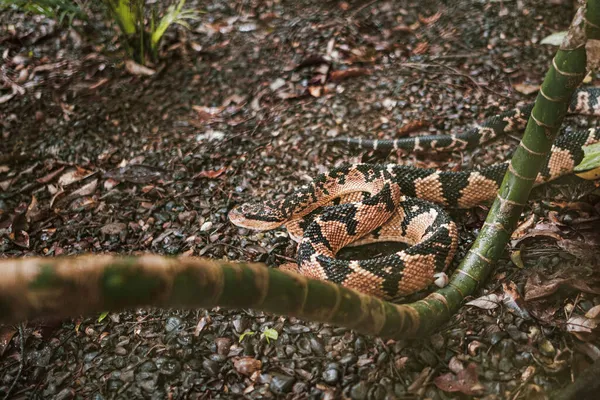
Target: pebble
(211,367)
(359,391)
(172,324)
(348,359)
(546,348)
(281,383)
(331,376)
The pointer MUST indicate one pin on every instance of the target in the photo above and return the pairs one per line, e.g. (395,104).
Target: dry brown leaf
(136,69)
(73,175)
(431,19)
(593,312)
(513,301)
(337,76)
(201,325)
(413,126)
(526,88)
(538,287)
(466,381)
(421,48)
(210,174)
(522,228)
(6,335)
(47,178)
(487,302)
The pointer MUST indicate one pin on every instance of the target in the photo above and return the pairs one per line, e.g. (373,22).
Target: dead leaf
(47,178)
(73,175)
(466,382)
(20,238)
(525,88)
(513,301)
(421,48)
(84,203)
(6,335)
(419,381)
(538,286)
(410,127)
(522,228)
(207,113)
(34,212)
(98,84)
(85,190)
(7,97)
(336,76)
(210,174)
(593,312)
(487,302)
(582,327)
(430,20)
(136,69)
(315,91)
(201,325)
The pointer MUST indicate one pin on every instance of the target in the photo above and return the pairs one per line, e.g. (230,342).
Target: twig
(20,371)
(359,9)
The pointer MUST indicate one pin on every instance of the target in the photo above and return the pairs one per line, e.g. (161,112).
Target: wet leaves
(465,381)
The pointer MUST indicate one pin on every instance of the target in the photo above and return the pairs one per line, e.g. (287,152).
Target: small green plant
(268,334)
(60,10)
(247,333)
(141,28)
(142,41)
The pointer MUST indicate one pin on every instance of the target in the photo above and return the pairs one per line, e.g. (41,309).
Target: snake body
(367,203)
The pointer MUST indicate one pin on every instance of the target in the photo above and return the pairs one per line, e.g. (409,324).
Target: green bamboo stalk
(31,288)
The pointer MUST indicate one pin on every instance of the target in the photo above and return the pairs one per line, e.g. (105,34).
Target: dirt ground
(96,159)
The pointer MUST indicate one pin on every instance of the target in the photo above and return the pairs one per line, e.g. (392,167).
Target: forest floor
(96,158)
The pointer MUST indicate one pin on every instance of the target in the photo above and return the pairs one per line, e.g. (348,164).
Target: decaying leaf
(136,69)
(538,287)
(210,174)
(47,178)
(487,302)
(526,88)
(337,76)
(73,175)
(513,301)
(466,381)
(582,327)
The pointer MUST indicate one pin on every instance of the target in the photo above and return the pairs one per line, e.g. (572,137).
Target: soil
(97,159)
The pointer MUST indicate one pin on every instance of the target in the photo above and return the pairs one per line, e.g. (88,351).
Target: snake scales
(367,203)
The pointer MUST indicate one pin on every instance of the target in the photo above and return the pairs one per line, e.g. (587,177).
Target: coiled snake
(366,203)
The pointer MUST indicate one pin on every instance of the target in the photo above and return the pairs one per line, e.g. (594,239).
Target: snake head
(257,216)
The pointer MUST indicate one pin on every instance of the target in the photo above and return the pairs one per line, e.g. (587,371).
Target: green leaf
(270,334)
(591,158)
(102,316)
(175,15)
(243,335)
(555,39)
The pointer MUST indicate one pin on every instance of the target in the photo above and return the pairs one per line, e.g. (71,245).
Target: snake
(366,203)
